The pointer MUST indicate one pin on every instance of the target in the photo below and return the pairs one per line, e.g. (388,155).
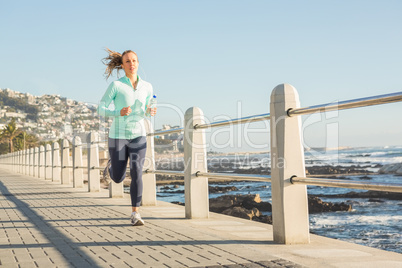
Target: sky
(224,57)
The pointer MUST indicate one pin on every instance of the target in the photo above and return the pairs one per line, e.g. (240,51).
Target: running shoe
(106,176)
(136,219)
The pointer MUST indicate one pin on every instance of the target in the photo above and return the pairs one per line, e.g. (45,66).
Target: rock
(376,200)
(391,169)
(241,212)
(399,171)
(316,205)
(217,189)
(365,178)
(221,203)
(250,201)
(173,192)
(323,170)
(165,188)
(263,218)
(368,194)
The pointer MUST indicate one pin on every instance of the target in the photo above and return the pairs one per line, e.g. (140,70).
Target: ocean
(375,223)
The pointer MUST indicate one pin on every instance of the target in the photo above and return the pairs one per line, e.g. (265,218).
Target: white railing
(288,181)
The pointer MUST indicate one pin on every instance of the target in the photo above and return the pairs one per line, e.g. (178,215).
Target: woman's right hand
(125,111)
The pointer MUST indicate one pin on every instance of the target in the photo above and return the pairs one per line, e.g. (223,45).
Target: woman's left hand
(152,111)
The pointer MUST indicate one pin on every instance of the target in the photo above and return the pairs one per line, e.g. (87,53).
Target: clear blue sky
(217,55)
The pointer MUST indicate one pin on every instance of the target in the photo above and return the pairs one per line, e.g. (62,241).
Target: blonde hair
(114,61)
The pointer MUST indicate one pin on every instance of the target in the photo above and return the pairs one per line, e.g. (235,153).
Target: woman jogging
(130,96)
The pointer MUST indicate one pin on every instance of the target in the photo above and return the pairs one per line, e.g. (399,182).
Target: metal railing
(374,186)
(348,104)
(342,105)
(288,183)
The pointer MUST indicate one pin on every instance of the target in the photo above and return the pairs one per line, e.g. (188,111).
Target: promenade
(45,224)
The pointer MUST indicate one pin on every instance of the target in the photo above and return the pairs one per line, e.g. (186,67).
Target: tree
(31,141)
(9,133)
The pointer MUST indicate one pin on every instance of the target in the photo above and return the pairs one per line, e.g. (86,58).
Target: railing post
(116,190)
(15,161)
(15,156)
(78,178)
(48,162)
(195,159)
(21,163)
(149,181)
(18,158)
(36,162)
(26,162)
(21,160)
(16,164)
(93,163)
(56,169)
(289,202)
(31,162)
(41,162)
(65,162)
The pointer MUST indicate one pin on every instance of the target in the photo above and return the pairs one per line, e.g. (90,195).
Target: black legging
(120,150)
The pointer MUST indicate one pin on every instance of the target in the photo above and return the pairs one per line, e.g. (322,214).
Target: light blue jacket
(122,94)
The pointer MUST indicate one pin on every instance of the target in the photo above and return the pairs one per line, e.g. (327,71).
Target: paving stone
(67,227)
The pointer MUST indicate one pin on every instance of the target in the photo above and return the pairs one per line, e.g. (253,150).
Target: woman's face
(130,63)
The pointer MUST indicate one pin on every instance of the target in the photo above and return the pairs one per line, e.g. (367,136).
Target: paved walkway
(45,224)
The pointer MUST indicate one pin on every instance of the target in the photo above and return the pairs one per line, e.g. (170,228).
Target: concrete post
(21,161)
(48,161)
(78,176)
(289,202)
(36,162)
(15,168)
(93,163)
(149,180)
(31,161)
(42,163)
(25,155)
(195,159)
(26,162)
(56,168)
(116,190)
(65,162)
(15,165)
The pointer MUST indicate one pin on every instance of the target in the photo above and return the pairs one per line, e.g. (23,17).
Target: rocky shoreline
(251,206)
(319,171)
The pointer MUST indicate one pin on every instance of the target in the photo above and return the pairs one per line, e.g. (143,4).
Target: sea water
(375,223)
